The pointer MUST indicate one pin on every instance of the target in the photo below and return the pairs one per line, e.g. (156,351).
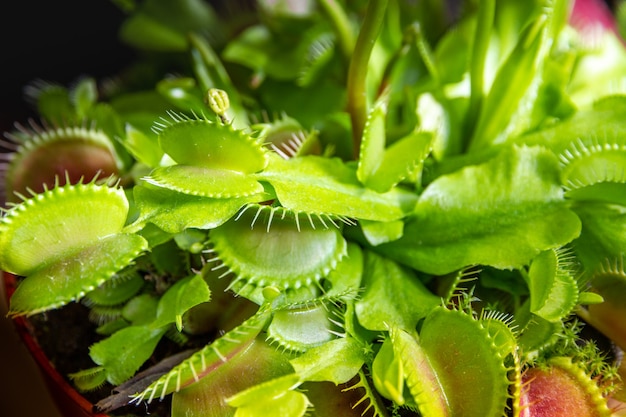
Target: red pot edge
(67,399)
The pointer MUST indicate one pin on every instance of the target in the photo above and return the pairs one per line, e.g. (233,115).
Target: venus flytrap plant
(362,209)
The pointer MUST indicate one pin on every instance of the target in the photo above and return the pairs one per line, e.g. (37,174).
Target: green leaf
(184,93)
(268,389)
(589,298)
(500,213)
(519,70)
(123,353)
(434,118)
(593,161)
(337,361)
(163,26)
(174,212)
(143,147)
(388,373)
(255,363)
(207,144)
(141,310)
(147,33)
(288,403)
(593,168)
(234,349)
(204,182)
(322,99)
(610,282)
(603,233)
(180,297)
(84,96)
(599,70)
(89,379)
(380,167)
(402,160)
(346,277)
(600,124)
(537,334)
(300,329)
(382,232)
(373,142)
(58,223)
(54,103)
(605,192)
(118,290)
(392,296)
(419,374)
(319,54)
(257,49)
(553,289)
(270,248)
(66,241)
(474,380)
(322,185)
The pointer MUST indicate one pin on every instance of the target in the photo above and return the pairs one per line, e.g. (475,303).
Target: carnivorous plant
(335,208)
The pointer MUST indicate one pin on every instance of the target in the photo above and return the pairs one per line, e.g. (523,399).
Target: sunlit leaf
(553,288)
(406,299)
(179,298)
(174,212)
(322,185)
(500,213)
(337,361)
(123,353)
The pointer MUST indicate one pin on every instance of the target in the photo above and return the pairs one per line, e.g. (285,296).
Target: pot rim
(69,401)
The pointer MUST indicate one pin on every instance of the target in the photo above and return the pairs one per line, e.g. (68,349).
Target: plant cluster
(359,208)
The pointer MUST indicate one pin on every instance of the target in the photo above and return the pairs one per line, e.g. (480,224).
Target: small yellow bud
(218,101)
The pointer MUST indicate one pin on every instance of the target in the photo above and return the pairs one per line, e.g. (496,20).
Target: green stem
(484,24)
(342,25)
(425,52)
(357,72)
(211,74)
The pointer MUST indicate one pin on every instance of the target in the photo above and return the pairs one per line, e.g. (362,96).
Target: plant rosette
(348,208)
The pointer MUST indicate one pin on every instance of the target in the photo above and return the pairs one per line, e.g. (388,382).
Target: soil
(65,336)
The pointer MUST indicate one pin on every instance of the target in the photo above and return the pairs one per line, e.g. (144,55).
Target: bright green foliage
(249,368)
(299,329)
(500,213)
(474,380)
(125,351)
(295,256)
(103,212)
(204,361)
(407,299)
(187,211)
(76,244)
(210,145)
(318,185)
(185,294)
(336,361)
(376,208)
(553,288)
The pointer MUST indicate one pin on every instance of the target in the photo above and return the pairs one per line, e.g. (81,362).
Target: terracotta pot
(68,400)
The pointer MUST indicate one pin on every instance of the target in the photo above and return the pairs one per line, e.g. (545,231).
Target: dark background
(59,41)
(56,41)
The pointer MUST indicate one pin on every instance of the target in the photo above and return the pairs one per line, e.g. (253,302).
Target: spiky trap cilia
(349,208)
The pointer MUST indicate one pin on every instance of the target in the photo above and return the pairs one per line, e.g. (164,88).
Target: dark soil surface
(65,336)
